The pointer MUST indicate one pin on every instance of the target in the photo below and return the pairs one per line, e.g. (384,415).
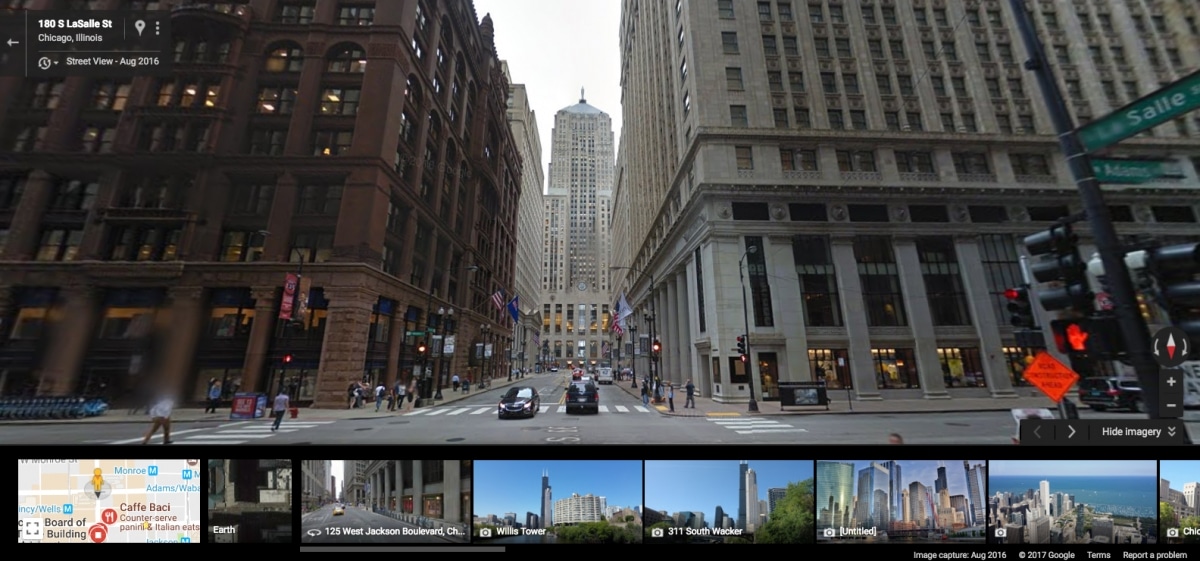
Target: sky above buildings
(924,471)
(337,468)
(555,48)
(701,485)
(1072,467)
(516,485)
(1179,472)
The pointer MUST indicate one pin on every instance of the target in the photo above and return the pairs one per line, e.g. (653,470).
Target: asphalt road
(359,525)
(623,420)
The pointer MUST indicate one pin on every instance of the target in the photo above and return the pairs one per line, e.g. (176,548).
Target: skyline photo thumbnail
(516,485)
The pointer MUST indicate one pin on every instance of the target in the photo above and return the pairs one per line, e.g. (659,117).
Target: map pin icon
(139,25)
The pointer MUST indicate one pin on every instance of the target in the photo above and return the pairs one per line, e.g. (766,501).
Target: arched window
(284,57)
(412,91)
(347,58)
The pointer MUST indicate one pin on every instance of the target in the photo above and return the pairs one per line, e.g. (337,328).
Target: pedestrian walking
(670,397)
(352,392)
(645,394)
(691,395)
(160,415)
(380,393)
(455,382)
(280,407)
(214,396)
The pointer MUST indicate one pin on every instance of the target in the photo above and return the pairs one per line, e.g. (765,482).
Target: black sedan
(519,402)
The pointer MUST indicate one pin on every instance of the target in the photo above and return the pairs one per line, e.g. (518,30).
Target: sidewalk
(195,414)
(706,407)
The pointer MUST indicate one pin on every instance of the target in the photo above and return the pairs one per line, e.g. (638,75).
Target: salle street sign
(1133,171)
(1148,112)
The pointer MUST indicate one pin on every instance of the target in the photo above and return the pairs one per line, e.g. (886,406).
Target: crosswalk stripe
(604,409)
(459,411)
(281,425)
(641,409)
(433,412)
(543,409)
(769,431)
(230,442)
(417,412)
(622,409)
(226,435)
(562,408)
(481,410)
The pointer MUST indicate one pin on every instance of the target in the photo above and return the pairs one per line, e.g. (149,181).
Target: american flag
(537,339)
(616,327)
(498,299)
(604,349)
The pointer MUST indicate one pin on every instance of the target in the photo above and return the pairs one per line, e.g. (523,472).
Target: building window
(137,243)
(340,101)
(1002,265)
(860,160)
(818,281)
(764,12)
(319,200)
(347,59)
(332,142)
(285,59)
(356,15)
(1030,164)
(760,288)
(729,42)
(795,159)
(877,271)
(277,100)
(311,248)
(110,95)
(831,366)
(781,118)
(241,246)
(73,194)
(737,116)
(745,157)
(837,121)
(97,140)
(895,369)
(961,367)
(725,9)
(770,46)
(943,281)
(915,162)
(733,79)
(59,245)
(296,12)
(971,163)
(267,142)
(700,291)
(43,95)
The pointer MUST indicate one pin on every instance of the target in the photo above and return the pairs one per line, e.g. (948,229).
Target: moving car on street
(1111,393)
(339,510)
(605,376)
(519,402)
(583,395)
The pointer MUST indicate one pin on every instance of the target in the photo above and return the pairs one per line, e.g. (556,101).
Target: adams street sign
(1166,104)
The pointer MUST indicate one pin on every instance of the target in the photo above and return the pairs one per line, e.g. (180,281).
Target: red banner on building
(288,304)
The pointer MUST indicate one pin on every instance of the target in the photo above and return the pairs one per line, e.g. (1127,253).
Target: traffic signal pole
(1134,330)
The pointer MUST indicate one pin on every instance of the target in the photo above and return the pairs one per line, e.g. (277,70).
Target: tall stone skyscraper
(547,517)
(752,503)
(741,512)
(576,301)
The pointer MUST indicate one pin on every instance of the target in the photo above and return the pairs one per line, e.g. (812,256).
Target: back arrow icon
(1035,431)
(12,42)
(1072,431)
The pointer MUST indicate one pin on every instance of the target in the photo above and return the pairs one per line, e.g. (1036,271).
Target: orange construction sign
(1051,376)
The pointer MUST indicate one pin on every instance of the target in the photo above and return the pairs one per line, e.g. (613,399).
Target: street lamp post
(442,314)
(429,332)
(746,323)
(486,331)
(288,323)
(633,357)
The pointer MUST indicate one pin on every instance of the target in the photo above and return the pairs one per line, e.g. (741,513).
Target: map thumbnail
(108,501)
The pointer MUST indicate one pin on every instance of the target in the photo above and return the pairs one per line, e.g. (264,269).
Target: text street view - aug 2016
(558,501)
(729,502)
(387,501)
(901,501)
(1072,502)
(108,501)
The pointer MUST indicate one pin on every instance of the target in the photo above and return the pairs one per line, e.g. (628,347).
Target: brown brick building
(147,225)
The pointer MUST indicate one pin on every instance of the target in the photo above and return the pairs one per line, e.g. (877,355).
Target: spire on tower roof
(582,98)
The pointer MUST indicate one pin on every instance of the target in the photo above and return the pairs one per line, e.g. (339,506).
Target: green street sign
(1133,171)
(1148,112)
(415,334)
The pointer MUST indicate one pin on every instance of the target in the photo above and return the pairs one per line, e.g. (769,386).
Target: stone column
(394,344)
(662,316)
(398,484)
(69,340)
(683,309)
(788,305)
(920,319)
(862,368)
(452,491)
(186,317)
(261,332)
(671,330)
(418,488)
(24,234)
(385,471)
(979,300)
(345,345)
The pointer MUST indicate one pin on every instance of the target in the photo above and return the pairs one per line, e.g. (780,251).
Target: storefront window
(227,323)
(31,323)
(408,504)
(768,371)
(895,368)
(961,367)
(433,506)
(831,366)
(127,323)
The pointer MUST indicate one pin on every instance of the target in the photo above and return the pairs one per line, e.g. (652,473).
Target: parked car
(1110,393)
(519,402)
(583,395)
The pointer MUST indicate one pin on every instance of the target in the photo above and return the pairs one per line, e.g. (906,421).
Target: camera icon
(829,533)
(1001,532)
(656,532)
(1172,532)
(485,532)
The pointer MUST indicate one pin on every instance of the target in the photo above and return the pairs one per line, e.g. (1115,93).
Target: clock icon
(582,286)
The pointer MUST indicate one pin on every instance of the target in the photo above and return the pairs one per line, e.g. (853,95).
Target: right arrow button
(1072,433)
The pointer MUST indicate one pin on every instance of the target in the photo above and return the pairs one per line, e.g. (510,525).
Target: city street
(322,527)
(622,420)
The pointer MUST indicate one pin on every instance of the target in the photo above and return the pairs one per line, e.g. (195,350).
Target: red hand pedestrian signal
(1077,338)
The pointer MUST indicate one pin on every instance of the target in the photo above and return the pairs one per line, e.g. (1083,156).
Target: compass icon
(1171,347)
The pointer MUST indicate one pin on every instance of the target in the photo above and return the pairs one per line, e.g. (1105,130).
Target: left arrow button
(12,42)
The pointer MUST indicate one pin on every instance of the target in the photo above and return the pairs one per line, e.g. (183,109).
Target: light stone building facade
(885,159)
(530,221)
(439,490)
(314,476)
(576,300)
(578,509)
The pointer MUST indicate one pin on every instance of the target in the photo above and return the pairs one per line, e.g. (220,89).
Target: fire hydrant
(294,411)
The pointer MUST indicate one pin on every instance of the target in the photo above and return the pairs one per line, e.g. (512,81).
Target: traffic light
(287,358)
(1175,268)
(1060,263)
(1020,307)
(421,348)
(1098,337)
(657,346)
(741,347)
